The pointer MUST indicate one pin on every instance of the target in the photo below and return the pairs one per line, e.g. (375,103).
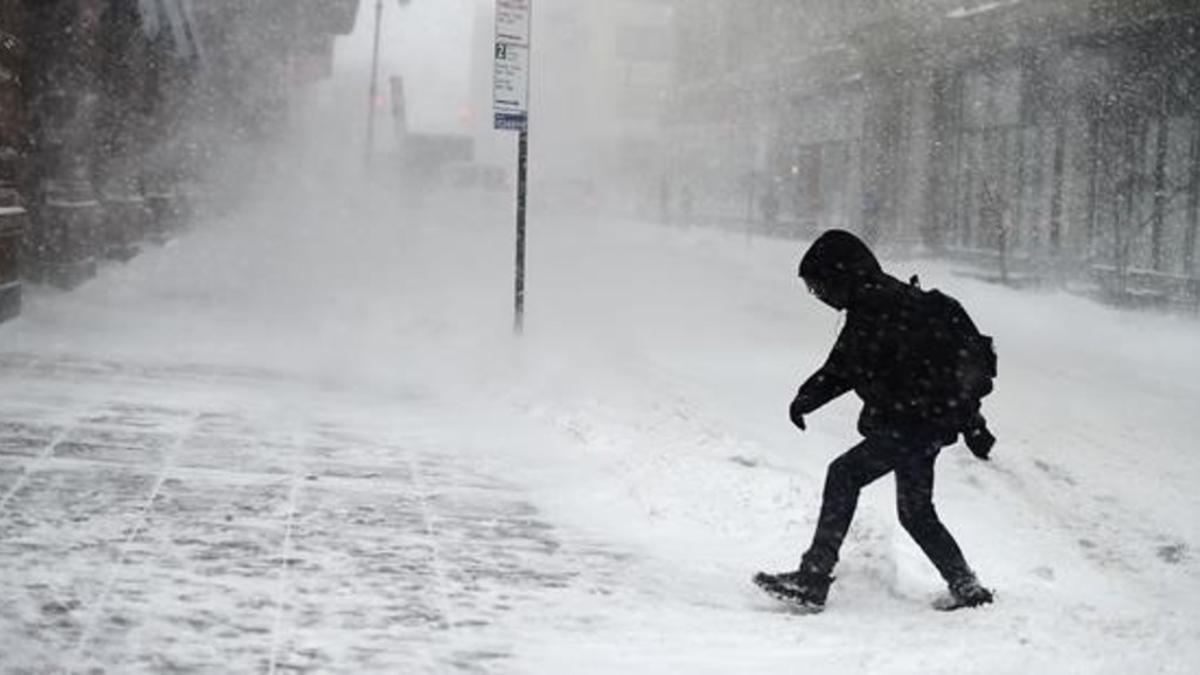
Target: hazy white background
(428,42)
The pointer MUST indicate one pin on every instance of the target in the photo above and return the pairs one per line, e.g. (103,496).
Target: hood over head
(836,266)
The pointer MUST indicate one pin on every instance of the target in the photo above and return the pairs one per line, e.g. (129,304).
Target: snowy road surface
(301,438)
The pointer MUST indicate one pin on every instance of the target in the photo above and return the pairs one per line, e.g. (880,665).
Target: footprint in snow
(1172,554)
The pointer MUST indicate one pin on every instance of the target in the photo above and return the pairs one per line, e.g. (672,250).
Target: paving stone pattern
(172,520)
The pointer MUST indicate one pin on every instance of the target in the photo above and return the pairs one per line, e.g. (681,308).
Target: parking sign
(510,73)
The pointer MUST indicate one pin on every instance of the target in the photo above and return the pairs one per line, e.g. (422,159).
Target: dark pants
(861,465)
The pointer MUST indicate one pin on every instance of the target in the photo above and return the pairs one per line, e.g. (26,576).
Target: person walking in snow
(920,367)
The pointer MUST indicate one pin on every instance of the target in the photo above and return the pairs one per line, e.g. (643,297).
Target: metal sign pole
(519,288)
(374,92)
(510,103)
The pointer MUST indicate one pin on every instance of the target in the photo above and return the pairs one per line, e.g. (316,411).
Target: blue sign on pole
(511,121)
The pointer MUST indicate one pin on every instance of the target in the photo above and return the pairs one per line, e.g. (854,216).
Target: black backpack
(958,363)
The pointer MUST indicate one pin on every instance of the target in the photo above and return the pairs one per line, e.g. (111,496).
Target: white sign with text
(510,72)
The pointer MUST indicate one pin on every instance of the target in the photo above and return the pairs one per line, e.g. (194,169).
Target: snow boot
(965,592)
(800,589)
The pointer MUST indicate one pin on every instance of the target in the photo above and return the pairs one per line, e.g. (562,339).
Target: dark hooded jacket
(891,348)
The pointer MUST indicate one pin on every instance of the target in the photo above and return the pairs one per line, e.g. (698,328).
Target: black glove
(796,414)
(979,441)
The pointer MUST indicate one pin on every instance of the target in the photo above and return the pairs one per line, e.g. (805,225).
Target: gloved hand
(796,414)
(979,441)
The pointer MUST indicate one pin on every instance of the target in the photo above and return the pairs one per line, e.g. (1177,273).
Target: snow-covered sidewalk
(228,520)
(303,438)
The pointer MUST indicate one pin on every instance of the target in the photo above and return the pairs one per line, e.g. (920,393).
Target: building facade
(627,78)
(111,110)
(13,148)
(1061,136)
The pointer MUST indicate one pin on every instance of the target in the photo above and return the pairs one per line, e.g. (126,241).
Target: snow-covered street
(302,437)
